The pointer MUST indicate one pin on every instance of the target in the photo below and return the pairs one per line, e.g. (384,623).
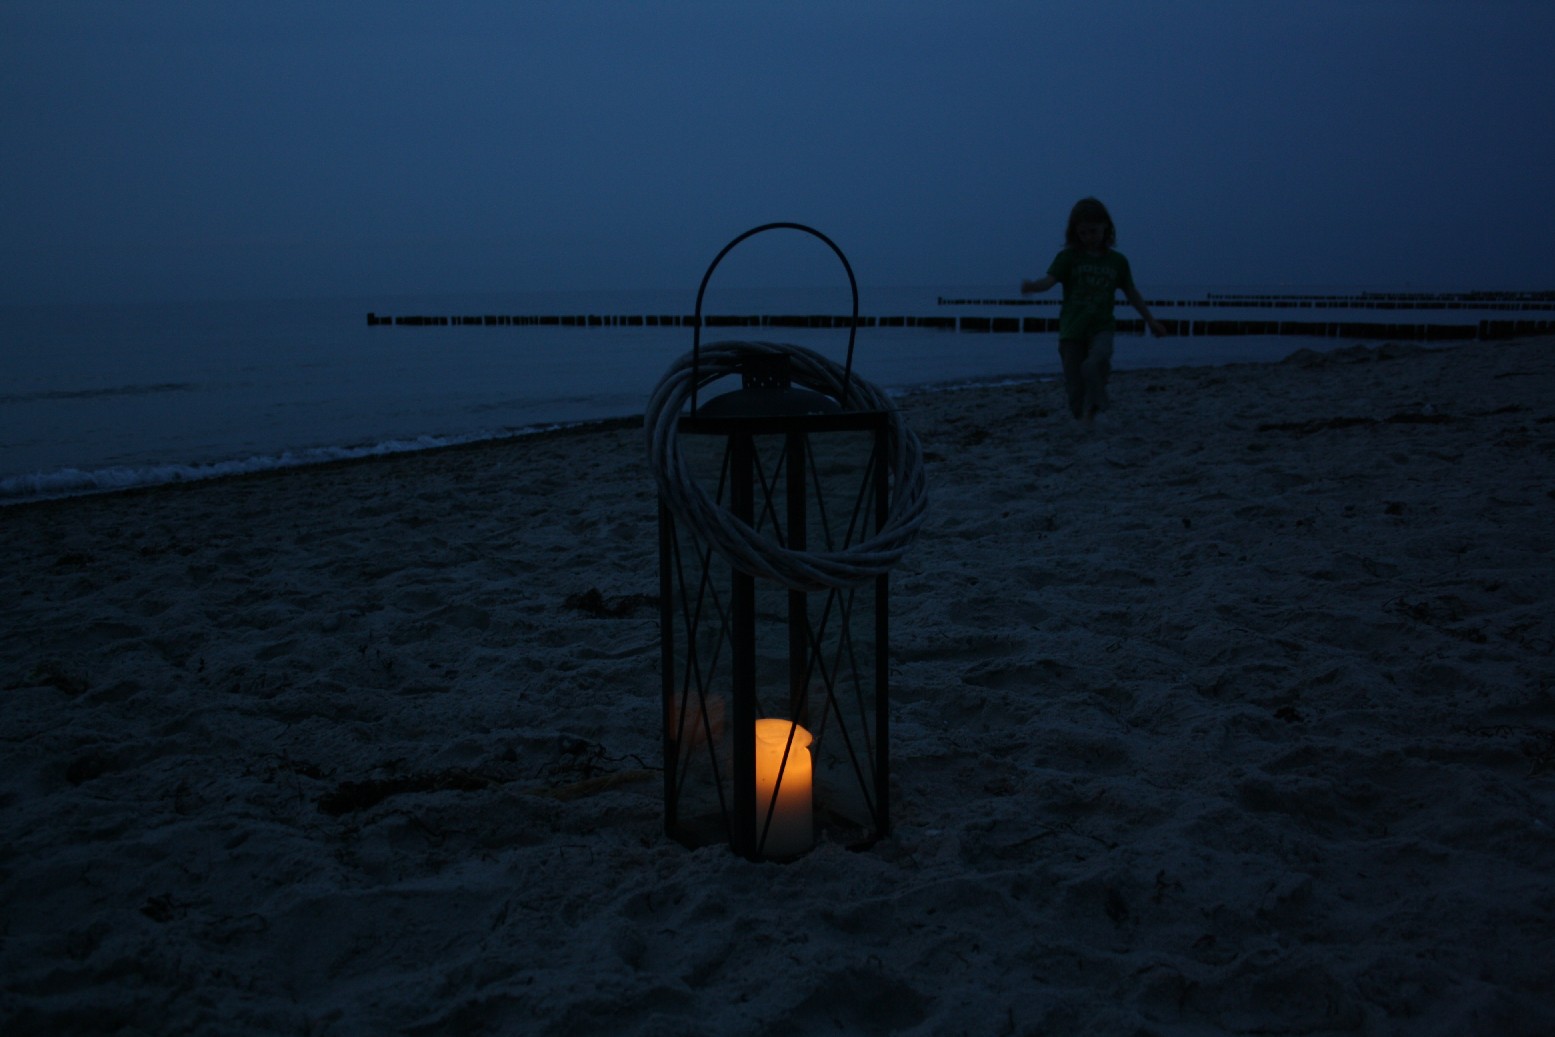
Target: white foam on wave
(75,482)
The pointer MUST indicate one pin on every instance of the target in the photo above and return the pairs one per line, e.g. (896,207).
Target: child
(1091,273)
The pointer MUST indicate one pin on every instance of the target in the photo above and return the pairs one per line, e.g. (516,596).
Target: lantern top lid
(770,402)
(767,391)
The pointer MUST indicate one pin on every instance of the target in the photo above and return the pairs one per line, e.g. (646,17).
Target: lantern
(783,504)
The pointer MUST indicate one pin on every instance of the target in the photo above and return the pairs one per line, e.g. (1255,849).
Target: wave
(95,394)
(77,482)
(992,381)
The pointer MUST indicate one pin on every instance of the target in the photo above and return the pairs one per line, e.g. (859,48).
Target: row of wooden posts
(1406,331)
(1508,301)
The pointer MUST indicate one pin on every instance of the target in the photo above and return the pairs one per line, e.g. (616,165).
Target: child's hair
(1089,210)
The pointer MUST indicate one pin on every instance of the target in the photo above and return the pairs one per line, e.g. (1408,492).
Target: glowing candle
(792,831)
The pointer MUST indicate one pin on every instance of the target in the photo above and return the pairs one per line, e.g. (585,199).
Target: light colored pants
(1087,363)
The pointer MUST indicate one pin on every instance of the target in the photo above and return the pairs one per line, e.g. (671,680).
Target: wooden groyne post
(1411,331)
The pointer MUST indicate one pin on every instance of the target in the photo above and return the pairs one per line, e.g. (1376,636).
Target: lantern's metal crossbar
(815,638)
(840,666)
(693,672)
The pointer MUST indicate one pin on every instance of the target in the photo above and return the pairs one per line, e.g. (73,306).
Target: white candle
(792,831)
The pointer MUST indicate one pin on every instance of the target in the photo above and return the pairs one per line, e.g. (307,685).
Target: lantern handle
(696,332)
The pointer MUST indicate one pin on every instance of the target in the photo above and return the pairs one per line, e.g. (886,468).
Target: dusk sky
(165,151)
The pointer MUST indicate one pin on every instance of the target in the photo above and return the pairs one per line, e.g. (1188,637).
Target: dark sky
(170,150)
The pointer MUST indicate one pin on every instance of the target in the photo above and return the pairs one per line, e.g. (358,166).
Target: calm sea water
(103,397)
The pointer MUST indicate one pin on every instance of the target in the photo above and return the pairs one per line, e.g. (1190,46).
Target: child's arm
(1138,302)
(1031,287)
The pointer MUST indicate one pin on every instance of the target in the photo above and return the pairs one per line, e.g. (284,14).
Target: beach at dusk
(1201,426)
(1233,714)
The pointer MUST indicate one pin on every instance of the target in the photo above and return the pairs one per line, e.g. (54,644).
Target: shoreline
(1235,714)
(370,456)
(193,473)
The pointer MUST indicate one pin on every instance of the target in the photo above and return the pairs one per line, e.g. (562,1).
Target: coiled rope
(737,541)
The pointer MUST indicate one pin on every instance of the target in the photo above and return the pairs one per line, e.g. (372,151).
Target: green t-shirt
(1091,284)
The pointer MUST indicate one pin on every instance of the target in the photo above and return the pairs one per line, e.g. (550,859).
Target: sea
(98,398)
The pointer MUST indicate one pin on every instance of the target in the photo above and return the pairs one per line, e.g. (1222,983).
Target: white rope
(745,548)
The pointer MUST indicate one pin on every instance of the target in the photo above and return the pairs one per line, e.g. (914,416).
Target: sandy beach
(1235,714)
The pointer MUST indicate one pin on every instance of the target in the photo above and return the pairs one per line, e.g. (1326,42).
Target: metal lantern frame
(768,529)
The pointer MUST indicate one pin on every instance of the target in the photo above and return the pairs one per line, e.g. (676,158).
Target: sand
(1233,715)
